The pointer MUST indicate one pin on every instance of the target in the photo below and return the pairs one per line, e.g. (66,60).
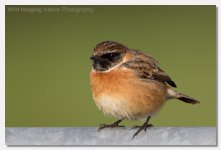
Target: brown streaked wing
(146,67)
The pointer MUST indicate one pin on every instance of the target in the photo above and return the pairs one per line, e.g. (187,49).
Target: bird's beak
(92,58)
(95,58)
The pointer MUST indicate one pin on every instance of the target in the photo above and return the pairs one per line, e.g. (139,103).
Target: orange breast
(119,93)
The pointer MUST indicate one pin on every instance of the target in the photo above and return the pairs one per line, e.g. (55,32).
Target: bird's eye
(111,56)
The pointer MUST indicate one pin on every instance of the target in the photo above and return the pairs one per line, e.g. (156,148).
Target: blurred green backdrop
(47,60)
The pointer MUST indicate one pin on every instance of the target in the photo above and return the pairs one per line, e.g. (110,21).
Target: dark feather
(164,78)
(146,67)
(188,99)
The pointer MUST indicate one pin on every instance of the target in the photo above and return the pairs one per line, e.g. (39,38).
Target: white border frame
(95,2)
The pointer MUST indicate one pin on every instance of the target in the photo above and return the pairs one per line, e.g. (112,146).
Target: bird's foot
(143,127)
(136,126)
(113,125)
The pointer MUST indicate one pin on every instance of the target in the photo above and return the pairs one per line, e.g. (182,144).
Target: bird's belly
(114,107)
(121,95)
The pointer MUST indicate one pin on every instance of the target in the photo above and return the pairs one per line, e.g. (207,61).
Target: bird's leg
(113,125)
(143,127)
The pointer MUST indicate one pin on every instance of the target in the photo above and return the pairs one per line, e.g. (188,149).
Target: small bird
(128,84)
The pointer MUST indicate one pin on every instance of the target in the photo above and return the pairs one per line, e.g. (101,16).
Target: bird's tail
(187,99)
(173,94)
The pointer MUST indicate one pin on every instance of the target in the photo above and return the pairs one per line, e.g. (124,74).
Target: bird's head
(107,54)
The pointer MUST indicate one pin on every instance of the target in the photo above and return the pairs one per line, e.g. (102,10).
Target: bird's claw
(143,127)
(102,126)
(136,126)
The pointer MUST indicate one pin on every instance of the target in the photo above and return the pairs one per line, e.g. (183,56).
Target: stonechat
(128,84)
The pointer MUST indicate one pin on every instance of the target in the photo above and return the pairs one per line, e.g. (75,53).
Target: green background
(47,61)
